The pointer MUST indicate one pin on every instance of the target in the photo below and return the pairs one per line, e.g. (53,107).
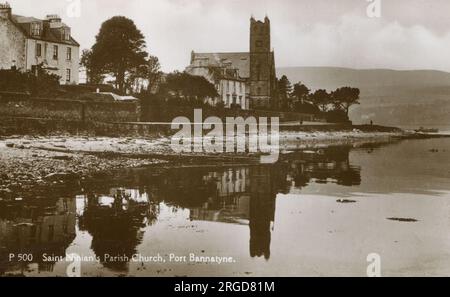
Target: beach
(26,161)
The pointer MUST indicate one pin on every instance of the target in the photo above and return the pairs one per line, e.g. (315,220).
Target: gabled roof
(48,34)
(240,61)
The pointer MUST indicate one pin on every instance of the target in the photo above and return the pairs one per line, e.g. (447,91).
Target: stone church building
(244,79)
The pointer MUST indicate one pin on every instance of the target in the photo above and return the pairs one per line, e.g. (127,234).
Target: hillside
(388,97)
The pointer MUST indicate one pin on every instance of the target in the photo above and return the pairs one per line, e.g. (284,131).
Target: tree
(321,99)
(344,98)
(193,88)
(284,93)
(92,75)
(150,71)
(119,49)
(300,92)
(154,72)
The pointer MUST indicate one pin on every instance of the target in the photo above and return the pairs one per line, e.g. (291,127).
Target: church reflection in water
(117,216)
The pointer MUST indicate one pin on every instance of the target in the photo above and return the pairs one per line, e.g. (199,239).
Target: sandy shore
(26,161)
(30,161)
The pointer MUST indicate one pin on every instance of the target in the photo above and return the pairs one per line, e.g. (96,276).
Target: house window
(36,29)
(68,75)
(66,34)
(69,54)
(38,50)
(55,52)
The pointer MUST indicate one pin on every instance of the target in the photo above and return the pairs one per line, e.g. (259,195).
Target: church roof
(240,61)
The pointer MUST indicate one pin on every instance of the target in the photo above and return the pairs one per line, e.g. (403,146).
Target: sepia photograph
(234,139)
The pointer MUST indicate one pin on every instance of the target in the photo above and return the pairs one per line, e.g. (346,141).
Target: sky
(407,34)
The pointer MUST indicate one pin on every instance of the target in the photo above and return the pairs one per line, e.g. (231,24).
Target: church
(245,80)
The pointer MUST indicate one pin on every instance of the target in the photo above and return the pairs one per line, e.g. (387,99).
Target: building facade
(28,43)
(231,87)
(245,79)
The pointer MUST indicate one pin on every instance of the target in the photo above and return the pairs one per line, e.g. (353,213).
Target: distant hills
(410,98)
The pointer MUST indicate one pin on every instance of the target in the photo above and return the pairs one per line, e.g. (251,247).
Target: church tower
(262,66)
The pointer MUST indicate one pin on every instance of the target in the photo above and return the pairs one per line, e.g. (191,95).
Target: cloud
(304,33)
(358,43)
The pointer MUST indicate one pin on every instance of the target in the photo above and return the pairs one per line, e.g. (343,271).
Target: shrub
(336,116)
(41,84)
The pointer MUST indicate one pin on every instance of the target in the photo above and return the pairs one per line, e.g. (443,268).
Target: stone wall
(12,42)
(67,110)
(167,113)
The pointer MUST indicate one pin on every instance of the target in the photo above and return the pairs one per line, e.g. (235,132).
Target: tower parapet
(262,68)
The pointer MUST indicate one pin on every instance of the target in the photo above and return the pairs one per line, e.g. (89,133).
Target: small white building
(28,42)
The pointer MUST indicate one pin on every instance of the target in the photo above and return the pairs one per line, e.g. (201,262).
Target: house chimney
(5,11)
(45,25)
(54,20)
(192,57)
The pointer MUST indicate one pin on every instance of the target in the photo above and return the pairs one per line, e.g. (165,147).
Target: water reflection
(117,216)
(323,166)
(115,223)
(35,227)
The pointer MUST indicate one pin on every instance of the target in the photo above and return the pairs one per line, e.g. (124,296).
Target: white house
(28,42)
